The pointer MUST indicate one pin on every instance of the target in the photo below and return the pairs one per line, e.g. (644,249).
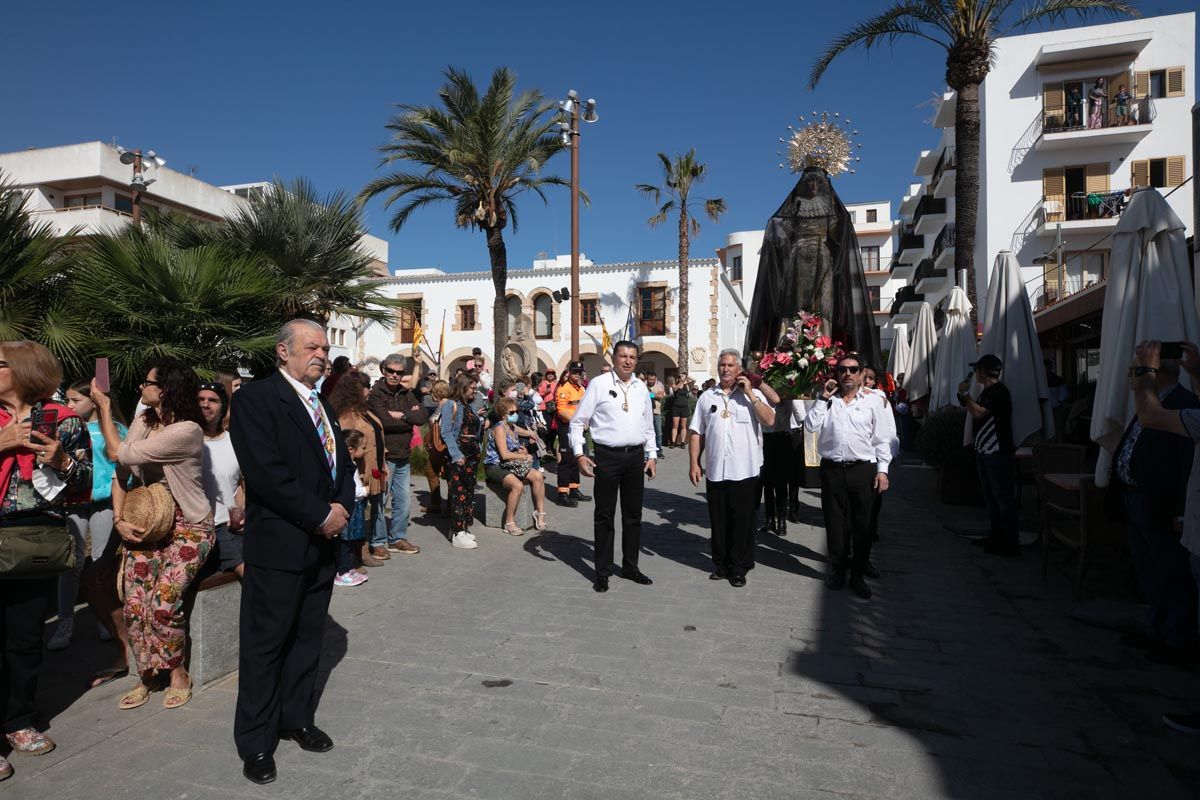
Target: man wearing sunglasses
(400,410)
(854,441)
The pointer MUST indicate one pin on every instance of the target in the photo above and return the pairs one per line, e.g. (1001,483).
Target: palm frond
(1058,10)
(910,18)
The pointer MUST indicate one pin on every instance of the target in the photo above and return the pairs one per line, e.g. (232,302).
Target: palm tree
(680,176)
(35,268)
(480,153)
(967,30)
(312,244)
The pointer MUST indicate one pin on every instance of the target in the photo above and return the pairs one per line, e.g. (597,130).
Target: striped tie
(323,433)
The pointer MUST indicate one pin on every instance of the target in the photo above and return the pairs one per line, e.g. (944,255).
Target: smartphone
(1171,350)
(102,375)
(44,421)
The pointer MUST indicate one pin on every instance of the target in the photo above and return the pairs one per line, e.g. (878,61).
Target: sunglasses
(391,371)
(144,384)
(851,370)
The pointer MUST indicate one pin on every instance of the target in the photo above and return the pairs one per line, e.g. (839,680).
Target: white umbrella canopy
(1010,334)
(919,382)
(1148,296)
(955,350)
(898,357)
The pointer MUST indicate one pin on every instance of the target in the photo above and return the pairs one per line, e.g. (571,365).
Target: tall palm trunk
(966,188)
(684,363)
(498,255)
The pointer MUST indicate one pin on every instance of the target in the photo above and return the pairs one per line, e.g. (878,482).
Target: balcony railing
(945,238)
(927,269)
(947,161)
(911,241)
(907,294)
(1082,205)
(1082,114)
(929,205)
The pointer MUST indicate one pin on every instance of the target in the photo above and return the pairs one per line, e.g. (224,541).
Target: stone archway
(661,359)
(457,358)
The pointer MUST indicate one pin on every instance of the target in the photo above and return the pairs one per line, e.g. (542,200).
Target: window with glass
(123,202)
(409,320)
(543,317)
(735,269)
(873,294)
(872,215)
(513,307)
(81,200)
(652,311)
(870,257)
(466,317)
(589,312)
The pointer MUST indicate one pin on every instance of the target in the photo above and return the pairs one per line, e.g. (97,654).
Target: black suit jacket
(1161,462)
(288,482)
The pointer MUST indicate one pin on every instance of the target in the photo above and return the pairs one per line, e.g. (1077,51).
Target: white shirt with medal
(618,415)
(733,449)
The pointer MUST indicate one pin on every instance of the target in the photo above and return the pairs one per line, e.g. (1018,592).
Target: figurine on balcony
(1122,100)
(810,257)
(1099,98)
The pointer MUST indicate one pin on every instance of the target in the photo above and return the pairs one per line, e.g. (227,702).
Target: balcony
(925,163)
(947,106)
(930,215)
(943,246)
(943,174)
(909,296)
(1080,212)
(1126,46)
(87,219)
(1081,123)
(930,280)
(912,246)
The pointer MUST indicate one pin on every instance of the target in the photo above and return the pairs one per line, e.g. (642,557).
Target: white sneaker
(62,635)
(470,535)
(464,540)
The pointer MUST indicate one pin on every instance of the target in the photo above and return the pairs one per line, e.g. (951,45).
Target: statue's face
(810,185)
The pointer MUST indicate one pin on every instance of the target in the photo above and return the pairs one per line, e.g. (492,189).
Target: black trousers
(282,631)
(568,467)
(796,470)
(618,471)
(730,513)
(23,606)
(847,498)
(776,472)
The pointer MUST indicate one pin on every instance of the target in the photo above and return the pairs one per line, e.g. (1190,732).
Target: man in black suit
(1150,471)
(299,489)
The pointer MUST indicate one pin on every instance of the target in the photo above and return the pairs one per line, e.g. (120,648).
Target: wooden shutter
(1175,170)
(1141,84)
(1053,105)
(1175,82)
(1054,191)
(1139,173)
(1096,178)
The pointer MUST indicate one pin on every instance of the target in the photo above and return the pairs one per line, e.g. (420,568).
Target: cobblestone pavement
(498,673)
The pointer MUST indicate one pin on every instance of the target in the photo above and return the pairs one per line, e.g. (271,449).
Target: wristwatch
(1140,371)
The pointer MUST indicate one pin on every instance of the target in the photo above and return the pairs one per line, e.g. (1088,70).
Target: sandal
(108,676)
(512,529)
(539,520)
(30,742)
(137,696)
(177,697)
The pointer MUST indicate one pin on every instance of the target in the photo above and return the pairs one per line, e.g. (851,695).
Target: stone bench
(489,507)
(213,628)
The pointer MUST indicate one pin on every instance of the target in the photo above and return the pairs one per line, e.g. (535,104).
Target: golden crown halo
(825,142)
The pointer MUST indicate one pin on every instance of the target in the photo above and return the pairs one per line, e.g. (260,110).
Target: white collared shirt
(304,393)
(733,449)
(603,411)
(889,419)
(861,430)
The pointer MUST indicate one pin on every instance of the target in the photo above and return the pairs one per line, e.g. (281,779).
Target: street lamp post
(569,129)
(140,182)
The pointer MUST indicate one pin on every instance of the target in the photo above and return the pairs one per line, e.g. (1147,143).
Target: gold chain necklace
(620,385)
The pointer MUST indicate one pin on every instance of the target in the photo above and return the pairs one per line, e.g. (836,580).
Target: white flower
(818,353)
(802,363)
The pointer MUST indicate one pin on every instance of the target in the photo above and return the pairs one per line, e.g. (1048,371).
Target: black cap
(989,363)
(575,366)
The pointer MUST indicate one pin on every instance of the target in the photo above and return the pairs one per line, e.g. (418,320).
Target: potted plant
(940,445)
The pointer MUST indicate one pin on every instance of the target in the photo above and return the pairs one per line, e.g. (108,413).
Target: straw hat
(152,509)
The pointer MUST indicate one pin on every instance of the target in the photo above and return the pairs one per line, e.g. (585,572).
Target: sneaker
(349,579)
(380,552)
(1184,723)
(464,540)
(361,574)
(403,547)
(61,638)
(469,535)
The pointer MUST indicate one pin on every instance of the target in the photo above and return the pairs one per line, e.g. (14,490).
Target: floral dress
(462,477)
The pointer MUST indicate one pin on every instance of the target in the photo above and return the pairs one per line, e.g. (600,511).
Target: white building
(1053,157)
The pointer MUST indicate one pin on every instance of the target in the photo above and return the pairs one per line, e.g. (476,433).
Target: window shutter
(1141,84)
(1175,170)
(1096,180)
(1175,82)
(1053,105)
(1054,190)
(1139,173)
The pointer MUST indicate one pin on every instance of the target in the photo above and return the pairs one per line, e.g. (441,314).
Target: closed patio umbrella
(921,371)
(1009,332)
(955,350)
(1148,296)
(898,357)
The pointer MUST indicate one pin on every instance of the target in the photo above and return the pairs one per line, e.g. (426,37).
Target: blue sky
(250,90)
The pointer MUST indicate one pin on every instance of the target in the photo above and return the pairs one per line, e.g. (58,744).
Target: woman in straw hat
(165,443)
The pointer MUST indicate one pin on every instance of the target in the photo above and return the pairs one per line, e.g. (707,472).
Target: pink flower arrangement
(803,360)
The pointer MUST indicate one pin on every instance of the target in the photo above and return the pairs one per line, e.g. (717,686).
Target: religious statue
(810,259)
(519,355)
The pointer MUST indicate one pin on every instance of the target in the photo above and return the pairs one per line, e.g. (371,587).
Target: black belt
(831,462)
(628,448)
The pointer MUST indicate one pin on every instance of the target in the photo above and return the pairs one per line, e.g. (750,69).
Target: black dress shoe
(259,768)
(738,581)
(580,497)
(794,514)
(639,577)
(567,500)
(836,580)
(601,583)
(859,587)
(768,526)
(870,571)
(311,738)
(718,574)
(781,527)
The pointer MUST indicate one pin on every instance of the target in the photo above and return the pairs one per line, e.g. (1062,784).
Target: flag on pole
(631,324)
(605,339)
(418,335)
(442,341)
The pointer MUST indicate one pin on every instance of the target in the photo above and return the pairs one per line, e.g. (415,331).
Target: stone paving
(498,673)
